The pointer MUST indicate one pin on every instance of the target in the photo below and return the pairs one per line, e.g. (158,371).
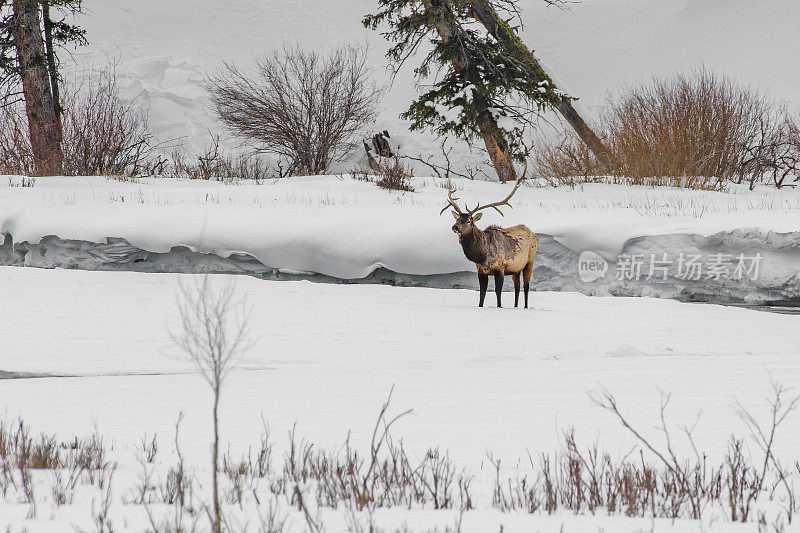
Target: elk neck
(474,245)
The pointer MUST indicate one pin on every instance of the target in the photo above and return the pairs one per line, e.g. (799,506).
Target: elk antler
(451,202)
(496,205)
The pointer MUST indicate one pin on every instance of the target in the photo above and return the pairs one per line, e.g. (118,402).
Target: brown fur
(498,251)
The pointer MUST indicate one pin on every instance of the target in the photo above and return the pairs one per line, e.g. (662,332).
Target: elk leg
(498,287)
(526,278)
(483,282)
(515,277)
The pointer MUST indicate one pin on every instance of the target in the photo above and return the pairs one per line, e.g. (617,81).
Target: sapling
(214,334)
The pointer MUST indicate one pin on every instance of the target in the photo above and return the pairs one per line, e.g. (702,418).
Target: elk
(495,250)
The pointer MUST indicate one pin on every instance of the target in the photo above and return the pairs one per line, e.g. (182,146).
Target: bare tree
(773,152)
(214,334)
(307,108)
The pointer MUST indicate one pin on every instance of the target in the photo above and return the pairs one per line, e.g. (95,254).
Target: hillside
(594,46)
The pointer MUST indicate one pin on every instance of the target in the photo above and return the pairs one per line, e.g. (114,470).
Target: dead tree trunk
(508,39)
(52,67)
(495,142)
(43,119)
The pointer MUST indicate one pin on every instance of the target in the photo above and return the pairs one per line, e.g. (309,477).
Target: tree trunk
(52,67)
(496,144)
(43,120)
(508,39)
(217,528)
(497,147)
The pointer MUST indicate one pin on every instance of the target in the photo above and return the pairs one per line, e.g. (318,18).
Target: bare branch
(304,107)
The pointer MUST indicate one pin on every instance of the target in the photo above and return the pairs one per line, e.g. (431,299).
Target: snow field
(500,380)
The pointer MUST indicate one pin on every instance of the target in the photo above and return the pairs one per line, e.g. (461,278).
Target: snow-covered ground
(164,49)
(325,356)
(339,228)
(86,350)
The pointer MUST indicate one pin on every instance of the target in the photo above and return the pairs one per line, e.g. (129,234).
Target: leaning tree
(31,31)
(492,86)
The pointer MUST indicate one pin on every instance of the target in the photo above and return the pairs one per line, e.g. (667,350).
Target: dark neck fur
(474,245)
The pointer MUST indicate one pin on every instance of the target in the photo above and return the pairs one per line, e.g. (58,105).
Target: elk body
(496,251)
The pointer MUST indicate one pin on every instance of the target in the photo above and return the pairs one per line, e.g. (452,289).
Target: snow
(592,47)
(348,229)
(325,356)
(91,351)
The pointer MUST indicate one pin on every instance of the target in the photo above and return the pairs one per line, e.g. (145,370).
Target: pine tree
(509,39)
(29,37)
(490,88)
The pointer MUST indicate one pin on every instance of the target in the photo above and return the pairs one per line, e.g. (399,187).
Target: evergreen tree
(490,89)
(29,37)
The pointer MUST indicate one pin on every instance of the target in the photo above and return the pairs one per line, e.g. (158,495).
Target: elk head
(465,221)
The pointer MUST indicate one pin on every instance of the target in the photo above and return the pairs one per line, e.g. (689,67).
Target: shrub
(307,108)
(695,131)
(393,176)
(212,163)
(102,132)
(16,156)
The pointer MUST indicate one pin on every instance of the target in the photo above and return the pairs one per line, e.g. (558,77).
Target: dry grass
(651,481)
(394,176)
(387,173)
(214,164)
(697,131)
(20,449)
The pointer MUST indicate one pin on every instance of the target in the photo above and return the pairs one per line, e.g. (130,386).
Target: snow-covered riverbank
(735,247)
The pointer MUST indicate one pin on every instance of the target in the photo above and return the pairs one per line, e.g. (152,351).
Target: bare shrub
(272,520)
(103,133)
(393,176)
(16,156)
(446,171)
(213,163)
(691,484)
(696,131)
(100,515)
(685,126)
(213,333)
(772,154)
(567,161)
(307,108)
(651,482)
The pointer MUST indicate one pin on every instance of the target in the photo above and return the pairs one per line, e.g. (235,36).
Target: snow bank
(334,228)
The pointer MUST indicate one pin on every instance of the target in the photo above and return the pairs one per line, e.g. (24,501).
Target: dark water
(780,309)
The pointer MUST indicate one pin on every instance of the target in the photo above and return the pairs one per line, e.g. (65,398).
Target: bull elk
(495,250)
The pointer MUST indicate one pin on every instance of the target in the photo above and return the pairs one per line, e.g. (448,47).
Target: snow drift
(337,229)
